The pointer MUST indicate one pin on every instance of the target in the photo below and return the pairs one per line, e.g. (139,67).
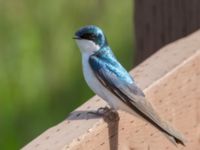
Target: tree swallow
(109,80)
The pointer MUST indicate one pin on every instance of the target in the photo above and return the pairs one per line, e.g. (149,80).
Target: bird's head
(90,39)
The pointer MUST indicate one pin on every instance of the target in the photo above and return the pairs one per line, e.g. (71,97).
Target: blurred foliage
(41,77)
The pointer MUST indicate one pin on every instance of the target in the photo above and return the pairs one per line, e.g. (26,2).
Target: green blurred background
(41,78)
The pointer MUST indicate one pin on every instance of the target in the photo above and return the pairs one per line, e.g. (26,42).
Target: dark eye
(88,36)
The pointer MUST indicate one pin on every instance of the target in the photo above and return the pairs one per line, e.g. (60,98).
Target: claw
(108,114)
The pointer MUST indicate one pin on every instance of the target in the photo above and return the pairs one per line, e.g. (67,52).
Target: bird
(111,81)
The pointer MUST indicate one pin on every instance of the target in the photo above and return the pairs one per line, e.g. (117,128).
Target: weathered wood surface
(170,80)
(159,22)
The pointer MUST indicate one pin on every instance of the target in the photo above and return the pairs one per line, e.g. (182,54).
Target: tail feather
(176,138)
(148,113)
(173,135)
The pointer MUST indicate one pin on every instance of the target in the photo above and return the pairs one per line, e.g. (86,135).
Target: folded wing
(114,77)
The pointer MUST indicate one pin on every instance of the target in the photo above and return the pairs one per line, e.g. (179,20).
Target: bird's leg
(109,114)
(103,110)
(100,111)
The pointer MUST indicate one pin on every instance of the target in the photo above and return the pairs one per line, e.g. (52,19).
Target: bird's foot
(109,114)
(100,111)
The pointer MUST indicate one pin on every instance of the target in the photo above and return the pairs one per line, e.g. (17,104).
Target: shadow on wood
(111,118)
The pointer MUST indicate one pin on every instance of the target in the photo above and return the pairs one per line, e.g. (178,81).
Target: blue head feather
(92,33)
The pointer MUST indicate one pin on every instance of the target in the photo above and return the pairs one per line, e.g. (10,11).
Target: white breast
(98,88)
(90,77)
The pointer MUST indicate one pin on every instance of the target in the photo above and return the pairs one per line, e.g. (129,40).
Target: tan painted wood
(170,80)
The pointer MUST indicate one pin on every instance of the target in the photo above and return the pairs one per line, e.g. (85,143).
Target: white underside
(99,89)
(88,48)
